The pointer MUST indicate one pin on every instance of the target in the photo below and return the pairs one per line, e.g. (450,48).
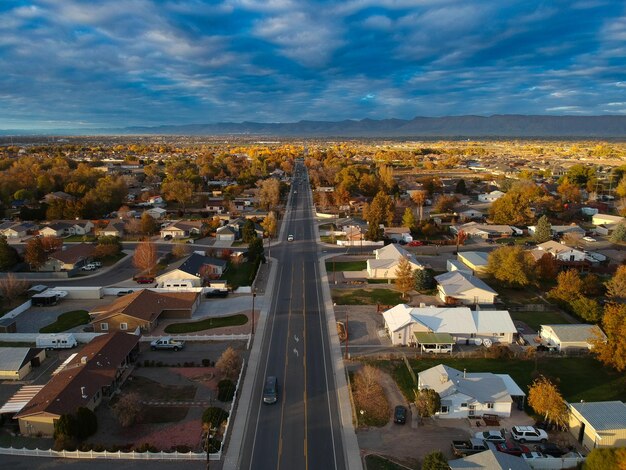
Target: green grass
(66,321)
(238,274)
(366,296)
(579,378)
(376,462)
(535,319)
(207,324)
(346,266)
(80,238)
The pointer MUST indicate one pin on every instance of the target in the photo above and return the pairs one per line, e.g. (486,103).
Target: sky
(116,63)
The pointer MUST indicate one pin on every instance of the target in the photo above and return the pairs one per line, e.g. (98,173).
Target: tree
(255,249)
(180,250)
(214,417)
(514,208)
(229,363)
(444,204)
(269,193)
(435,460)
(546,267)
(65,426)
(178,190)
(128,409)
(145,257)
(545,399)
(408,219)
(616,287)
(269,224)
(602,459)
(543,230)
(51,244)
(248,232)
(380,211)
(419,198)
(569,192)
(587,309)
(612,352)
(569,286)
(11,288)
(108,246)
(34,253)
(619,234)
(149,226)
(424,279)
(8,255)
(461,187)
(369,394)
(427,402)
(86,423)
(512,266)
(405,282)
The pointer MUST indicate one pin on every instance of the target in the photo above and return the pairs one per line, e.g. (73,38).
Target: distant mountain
(509,125)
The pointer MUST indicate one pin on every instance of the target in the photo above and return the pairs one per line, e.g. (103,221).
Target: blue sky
(110,63)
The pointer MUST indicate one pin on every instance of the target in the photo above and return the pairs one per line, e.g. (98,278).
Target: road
(302,430)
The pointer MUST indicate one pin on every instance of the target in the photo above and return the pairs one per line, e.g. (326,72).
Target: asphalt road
(302,430)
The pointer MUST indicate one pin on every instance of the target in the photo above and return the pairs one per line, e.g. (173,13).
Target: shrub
(206,362)
(214,416)
(86,423)
(146,447)
(225,390)
(214,445)
(182,449)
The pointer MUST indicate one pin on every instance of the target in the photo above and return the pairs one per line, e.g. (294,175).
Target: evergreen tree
(543,230)
(408,219)
(461,187)
(248,232)
(619,234)
(424,279)
(435,461)
(405,282)
(8,255)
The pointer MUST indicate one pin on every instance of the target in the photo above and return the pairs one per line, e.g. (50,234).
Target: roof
(145,305)
(56,226)
(496,321)
(575,333)
(489,460)
(194,263)
(13,359)
(457,282)
(76,385)
(603,415)
(395,252)
(555,247)
(74,253)
(436,319)
(20,399)
(424,337)
(477,258)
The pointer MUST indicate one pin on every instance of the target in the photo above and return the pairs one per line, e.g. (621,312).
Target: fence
(188,337)
(529,308)
(32,337)
(17,310)
(232,406)
(119,455)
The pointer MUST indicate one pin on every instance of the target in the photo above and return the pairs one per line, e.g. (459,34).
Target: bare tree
(180,250)
(419,198)
(269,193)
(11,288)
(145,257)
(128,409)
(229,363)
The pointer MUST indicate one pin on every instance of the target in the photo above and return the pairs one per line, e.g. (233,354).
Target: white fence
(359,243)
(189,337)
(555,463)
(17,310)
(77,454)
(232,405)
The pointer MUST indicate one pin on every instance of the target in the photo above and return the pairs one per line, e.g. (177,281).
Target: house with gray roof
(464,394)
(457,287)
(489,460)
(571,337)
(386,262)
(196,269)
(598,424)
(477,261)
(16,363)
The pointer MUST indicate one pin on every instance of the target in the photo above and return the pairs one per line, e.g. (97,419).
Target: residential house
(478,230)
(91,376)
(238,224)
(459,287)
(16,231)
(155,200)
(69,257)
(386,262)
(16,363)
(469,214)
(456,265)
(156,213)
(489,460)
(183,229)
(351,223)
(398,234)
(465,394)
(113,229)
(196,269)
(560,230)
(428,327)
(559,251)
(606,219)
(58,196)
(55,229)
(598,424)
(244,203)
(226,233)
(490,197)
(475,260)
(143,309)
(571,336)
(217,206)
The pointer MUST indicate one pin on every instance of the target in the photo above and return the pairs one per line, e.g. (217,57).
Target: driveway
(35,318)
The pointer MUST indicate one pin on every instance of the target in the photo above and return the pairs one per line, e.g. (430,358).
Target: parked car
(399,414)
(416,243)
(490,240)
(468,447)
(166,342)
(167,237)
(528,434)
(216,293)
(89,267)
(512,448)
(490,436)
(589,239)
(290,238)
(551,449)
(121,293)
(97,264)
(533,455)
(144,280)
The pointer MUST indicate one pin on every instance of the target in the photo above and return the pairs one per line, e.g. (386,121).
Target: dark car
(121,293)
(399,414)
(216,293)
(512,448)
(144,280)
(551,449)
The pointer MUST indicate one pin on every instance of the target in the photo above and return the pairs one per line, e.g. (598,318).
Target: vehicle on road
(270,390)
(216,293)
(589,239)
(528,434)
(144,280)
(512,448)
(490,436)
(166,342)
(399,414)
(97,264)
(468,447)
(290,238)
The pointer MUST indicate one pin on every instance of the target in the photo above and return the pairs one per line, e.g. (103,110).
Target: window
(444,410)
(463,405)
(490,406)
(104,326)
(123,326)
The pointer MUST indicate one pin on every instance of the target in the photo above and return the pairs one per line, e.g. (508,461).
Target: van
(270,390)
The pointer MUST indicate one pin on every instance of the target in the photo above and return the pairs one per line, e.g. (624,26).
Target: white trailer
(56,341)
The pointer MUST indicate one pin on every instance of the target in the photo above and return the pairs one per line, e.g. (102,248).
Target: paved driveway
(35,318)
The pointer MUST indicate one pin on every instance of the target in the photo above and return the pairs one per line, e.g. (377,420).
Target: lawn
(238,274)
(376,462)
(579,378)
(80,238)
(346,266)
(66,321)
(535,319)
(366,296)
(206,324)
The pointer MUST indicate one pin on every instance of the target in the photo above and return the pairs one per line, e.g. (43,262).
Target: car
(167,237)
(216,293)
(167,343)
(89,267)
(490,240)
(401,242)
(533,455)
(512,448)
(589,239)
(551,449)
(528,434)
(399,414)
(144,280)
(122,293)
(97,264)
(490,436)
(416,243)
(290,238)
(270,390)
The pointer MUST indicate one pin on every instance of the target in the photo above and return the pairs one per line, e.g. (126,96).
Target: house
(92,375)
(490,197)
(156,200)
(437,329)
(13,230)
(226,233)
(456,265)
(606,219)
(79,227)
(183,229)
(598,424)
(16,363)
(351,224)
(244,203)
(143,309)
(156,212)
(464,394)
(575,337)
(387,260)
(398,234)
(69,257)
(459,287)
(559,251)
(489,460)
(475,260)
(217,206)
(477,230)
(58,196)
(55,229)
(113,229)
(196,269)
(470,214)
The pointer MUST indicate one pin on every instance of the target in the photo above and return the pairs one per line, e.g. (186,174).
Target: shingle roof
(603,415)
(489,460)
(193,264)
(576,333)
(74,253)
(457,282)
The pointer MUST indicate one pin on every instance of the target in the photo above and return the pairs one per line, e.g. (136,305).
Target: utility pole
(252,314)
(347,337)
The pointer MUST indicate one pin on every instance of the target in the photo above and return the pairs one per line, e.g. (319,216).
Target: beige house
(183,229)
(16,363)
(457,287)
(477,261)
(69,257)
(571,337)
(95,373)
(196,270)
(598,424)
(606,219)
(386,262)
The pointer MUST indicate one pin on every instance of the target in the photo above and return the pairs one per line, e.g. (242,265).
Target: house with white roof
(464,394)
(598,424)
(386,262)
(459,287)
(559,251)
(156,212)
(475,260)
(560,230)
(572,337)
(398,233)
(437,329)
(606,219)
(490,197)
(490,459)
(478,230)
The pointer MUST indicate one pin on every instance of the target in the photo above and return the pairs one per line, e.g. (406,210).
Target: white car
(490,436)
(533,455)
(528,434)
(589,239)
(290,238)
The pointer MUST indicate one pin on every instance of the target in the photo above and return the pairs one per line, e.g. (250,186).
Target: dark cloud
(113,63)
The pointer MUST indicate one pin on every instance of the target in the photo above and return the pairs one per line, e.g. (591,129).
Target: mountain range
(507,125)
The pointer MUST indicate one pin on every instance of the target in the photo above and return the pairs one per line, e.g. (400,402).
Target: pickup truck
(469,447)
(167,342)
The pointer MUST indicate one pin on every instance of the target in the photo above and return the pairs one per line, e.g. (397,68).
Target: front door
(581,433)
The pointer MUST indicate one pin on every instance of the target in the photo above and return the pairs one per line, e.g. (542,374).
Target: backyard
(366,296)
(339,266)
(536,319)
(207,324)
(67,321)
(238,274)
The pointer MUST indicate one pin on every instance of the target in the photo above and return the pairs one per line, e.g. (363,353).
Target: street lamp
(252,314)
